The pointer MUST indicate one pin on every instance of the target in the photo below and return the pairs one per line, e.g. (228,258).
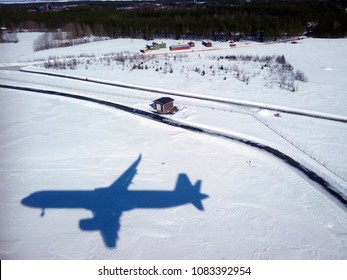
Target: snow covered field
(258,207)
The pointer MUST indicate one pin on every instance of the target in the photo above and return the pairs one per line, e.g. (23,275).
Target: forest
(216,20)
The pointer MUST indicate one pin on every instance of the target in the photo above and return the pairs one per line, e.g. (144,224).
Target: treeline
(220,22)
(51,40)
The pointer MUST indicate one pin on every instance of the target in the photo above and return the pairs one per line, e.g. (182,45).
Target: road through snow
(328,188)
(243,103)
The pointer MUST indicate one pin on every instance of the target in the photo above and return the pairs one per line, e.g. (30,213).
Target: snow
(317,58)
(14,52)
(258,206)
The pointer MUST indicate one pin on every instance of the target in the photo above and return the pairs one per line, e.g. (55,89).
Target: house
(157,46)
(179,47)
(164,105)
(45,8)
(207,43)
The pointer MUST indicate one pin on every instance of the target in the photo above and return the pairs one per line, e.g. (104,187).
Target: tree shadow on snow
(108,204)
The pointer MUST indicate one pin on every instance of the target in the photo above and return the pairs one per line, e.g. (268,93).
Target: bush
(300,76)
(281,59)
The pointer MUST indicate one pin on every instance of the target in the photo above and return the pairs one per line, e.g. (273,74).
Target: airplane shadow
(107,204)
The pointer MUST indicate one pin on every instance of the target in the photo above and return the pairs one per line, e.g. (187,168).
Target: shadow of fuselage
(108,204)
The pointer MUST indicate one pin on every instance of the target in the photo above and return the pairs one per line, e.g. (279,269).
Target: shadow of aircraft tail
(185,188)
(108,204)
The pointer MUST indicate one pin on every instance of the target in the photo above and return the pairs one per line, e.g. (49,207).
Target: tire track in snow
(326,186)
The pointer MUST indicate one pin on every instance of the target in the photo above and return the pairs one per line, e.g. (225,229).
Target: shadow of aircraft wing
(107,223)
(123,182)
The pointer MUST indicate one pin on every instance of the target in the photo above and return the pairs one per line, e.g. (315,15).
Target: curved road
(289,160)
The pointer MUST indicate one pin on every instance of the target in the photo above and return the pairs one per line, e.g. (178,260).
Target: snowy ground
(258,207)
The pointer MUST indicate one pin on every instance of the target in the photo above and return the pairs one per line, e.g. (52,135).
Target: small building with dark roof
(163,105)
(207,43)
